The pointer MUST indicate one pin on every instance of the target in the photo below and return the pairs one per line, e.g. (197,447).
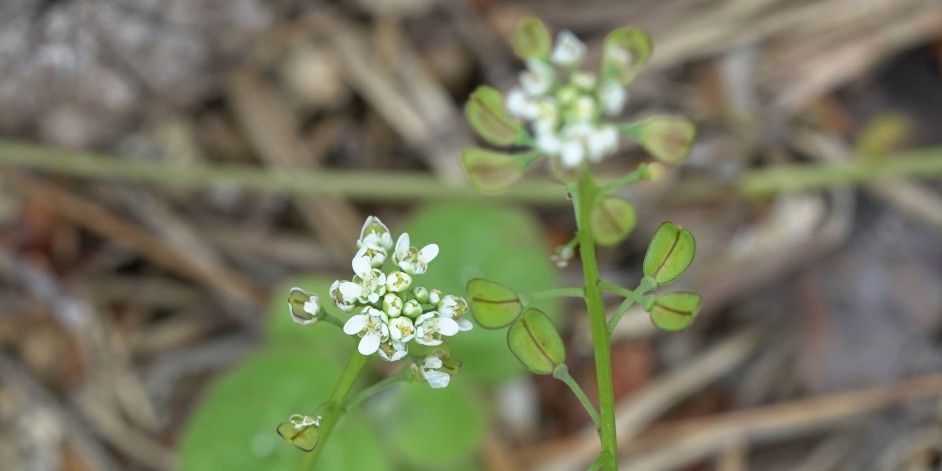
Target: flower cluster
(564,106)
(390,311)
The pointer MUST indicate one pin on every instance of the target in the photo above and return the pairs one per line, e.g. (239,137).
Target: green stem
(573,292)
(333,320)
(562,373)
(639,173)
(335,407)
(583,196)
(647,284)
(404,375)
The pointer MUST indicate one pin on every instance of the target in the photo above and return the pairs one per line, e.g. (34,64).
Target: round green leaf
(493,305)
(489,118)
(479,240)
(675,311)
(531,39)
(626,51)
(436,428)
(234,427)
(669,254)
(536,343)
(489,171)
(612,220)
(667,138)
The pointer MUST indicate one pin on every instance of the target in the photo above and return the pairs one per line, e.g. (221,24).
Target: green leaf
(489,118)
(436,428)
(675,311)
(669,254)
(626,51)
(493,305)
(612,220)
(489,171)
(667,138)
(234,427)
(532,39)
(479,240)
(536,343)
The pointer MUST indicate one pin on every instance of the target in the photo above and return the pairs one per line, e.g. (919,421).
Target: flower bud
(412,309)
(305,308)
(398,281)
(435,296)
(533,339)
(669,254)
(392,305)
(421,294)
(376,232)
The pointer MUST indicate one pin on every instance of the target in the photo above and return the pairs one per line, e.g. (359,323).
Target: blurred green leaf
(489,171)
(532,39)
(234,427)
(669,254)
(536,343)
(436,428)
(675,311)
(488,116)
(484,241)
(612,220)
(493,305)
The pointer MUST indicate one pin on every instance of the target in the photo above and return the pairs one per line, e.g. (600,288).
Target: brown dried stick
(677,444)
(99,220)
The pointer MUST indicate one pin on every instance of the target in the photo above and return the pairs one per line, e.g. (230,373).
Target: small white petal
(429,342)
(402,245)
(569,49)
(313,306)
(362,266)
(350,290)
(425,317)
(369,344)
(464,324)
(448,326)
(432,362)
(437,379)
(355,324)
(572,153)
(428,253)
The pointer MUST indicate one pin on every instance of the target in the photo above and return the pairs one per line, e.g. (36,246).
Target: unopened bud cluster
(390,310)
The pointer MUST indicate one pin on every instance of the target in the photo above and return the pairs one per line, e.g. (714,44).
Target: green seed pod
(675,311)
(489,118)
(489,171)
(493,305)
(669,254)
(626,51)
(300,431)
(667,138)
(531,39)
(612,220)
(533,339)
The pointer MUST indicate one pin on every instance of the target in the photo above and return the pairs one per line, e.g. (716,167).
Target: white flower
(572,153)
(584,81)
(569,49)
(520,105)
(398,282)
(612,97)
(344,294)
(375,232)
(548,142)
(454,307)
(602,142)
(583,109)
(539,77)
(371,326)
(305,308)
(393,350)
(372,280)
(437,369)
(401,329)
(431,326)
(619,55)
(410,260)
(371,251)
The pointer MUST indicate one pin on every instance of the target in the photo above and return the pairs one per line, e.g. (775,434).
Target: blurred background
(169,168)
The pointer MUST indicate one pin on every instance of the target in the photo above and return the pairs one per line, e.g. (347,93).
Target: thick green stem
(583,197)
(562,373)
(335,407)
